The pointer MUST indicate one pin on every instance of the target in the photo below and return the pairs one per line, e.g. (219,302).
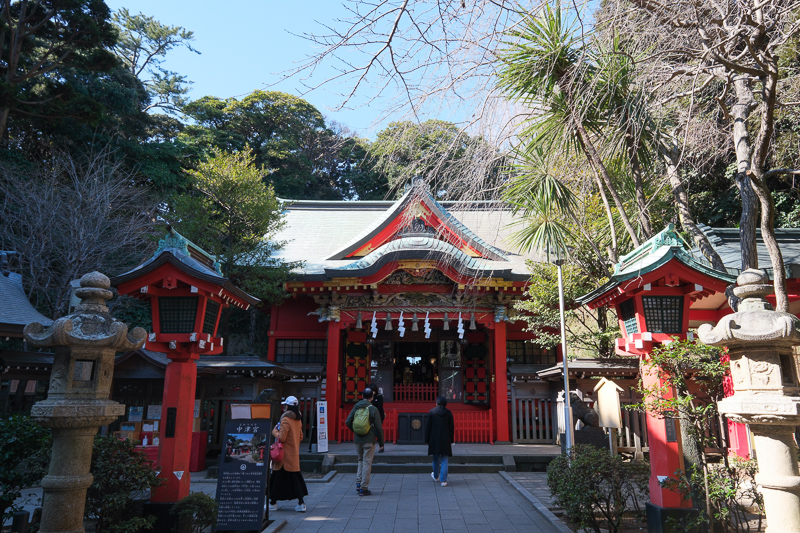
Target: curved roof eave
(188,265)
(421,248)
(650,263)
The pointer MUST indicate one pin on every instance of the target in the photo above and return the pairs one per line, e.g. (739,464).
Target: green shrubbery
(24,456)
(122,477)
(198,511)
(594,488)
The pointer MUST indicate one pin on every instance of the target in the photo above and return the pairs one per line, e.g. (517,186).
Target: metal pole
(568,424)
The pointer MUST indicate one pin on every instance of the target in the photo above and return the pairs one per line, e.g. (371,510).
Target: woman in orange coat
(287,481)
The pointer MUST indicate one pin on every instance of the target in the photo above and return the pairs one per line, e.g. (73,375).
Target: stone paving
(506,501)
(413,502)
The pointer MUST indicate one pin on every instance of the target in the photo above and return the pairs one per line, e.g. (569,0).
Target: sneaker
(444,483)
(273,507)
(365,492)
(434,478)
(300,508)
(358,487)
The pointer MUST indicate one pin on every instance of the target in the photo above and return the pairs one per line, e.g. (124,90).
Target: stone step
(421,468)
(389,458)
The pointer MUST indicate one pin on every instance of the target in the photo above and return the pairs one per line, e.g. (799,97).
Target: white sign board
(322,427)
(608,403)
(153,412)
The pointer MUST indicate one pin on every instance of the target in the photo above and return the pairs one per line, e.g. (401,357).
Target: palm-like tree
(548,68)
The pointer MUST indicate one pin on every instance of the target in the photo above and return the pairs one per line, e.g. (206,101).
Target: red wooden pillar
(663,439)
(174,451)
(333,393)
(500,382)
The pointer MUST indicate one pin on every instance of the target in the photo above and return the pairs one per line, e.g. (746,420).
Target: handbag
(276,452)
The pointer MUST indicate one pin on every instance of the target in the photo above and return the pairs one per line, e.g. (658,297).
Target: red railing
(415,392)
(471,426)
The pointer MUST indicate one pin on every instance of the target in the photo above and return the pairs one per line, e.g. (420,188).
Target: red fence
(471,426)
(415,392)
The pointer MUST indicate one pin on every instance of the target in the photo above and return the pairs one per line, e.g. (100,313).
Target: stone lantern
(766,392)
(78,402)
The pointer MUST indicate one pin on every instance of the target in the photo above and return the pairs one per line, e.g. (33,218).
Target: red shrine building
(412,295)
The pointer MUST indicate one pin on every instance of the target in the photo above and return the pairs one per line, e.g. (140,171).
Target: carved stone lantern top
(756,321)
(763,368)
(90,324)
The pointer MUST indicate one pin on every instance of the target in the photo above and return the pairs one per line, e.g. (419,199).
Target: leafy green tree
(38,41)
(231,213)
(590,333)
(142,44)
(547,67)
(285,133)
(24,456)
(122,477)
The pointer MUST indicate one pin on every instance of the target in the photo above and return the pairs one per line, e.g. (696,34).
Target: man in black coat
(439,435)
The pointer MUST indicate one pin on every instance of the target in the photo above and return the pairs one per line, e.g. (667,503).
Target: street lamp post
(568,424)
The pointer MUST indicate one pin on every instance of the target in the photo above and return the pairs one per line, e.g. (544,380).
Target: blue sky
(245,44)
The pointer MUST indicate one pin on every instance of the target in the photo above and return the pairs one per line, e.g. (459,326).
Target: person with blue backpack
(365,423)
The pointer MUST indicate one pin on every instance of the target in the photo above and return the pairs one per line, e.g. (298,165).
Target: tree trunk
(636,170)
(614,253)
(597,164)
(4,112)
(766,131)
(685,213)
(740,112)
(600,168)
(768,236)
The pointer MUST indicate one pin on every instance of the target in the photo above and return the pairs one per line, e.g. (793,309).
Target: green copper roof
(657,251)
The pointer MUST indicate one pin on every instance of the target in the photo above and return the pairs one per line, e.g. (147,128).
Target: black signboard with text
(242,479)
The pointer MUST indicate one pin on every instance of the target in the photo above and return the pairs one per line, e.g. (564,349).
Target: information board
(242,482)
(322,427)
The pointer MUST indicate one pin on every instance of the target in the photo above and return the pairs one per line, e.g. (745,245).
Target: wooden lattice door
(356,371)
(476,387)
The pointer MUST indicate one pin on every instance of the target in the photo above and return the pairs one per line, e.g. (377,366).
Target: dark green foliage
(41,43)
(198,509)
(24,456)
(305,158)
(732,493)
(595,489)
(122,478)
(133,312)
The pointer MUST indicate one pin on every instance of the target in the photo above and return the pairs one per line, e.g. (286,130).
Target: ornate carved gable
(417,214)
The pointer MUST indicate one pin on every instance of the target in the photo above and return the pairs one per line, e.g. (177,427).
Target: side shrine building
(413,296)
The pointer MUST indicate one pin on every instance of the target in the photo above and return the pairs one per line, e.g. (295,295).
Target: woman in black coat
(440,433)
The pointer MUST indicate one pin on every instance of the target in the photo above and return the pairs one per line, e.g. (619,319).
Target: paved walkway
(406,503)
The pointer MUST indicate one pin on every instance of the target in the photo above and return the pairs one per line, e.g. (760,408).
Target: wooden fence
(632,436)
(532,421)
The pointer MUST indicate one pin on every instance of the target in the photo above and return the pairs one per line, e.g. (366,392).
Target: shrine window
(301,351)
(526,353)
(663,314)
(627,313)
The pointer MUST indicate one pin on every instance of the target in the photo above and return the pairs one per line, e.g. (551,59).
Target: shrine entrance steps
(419,464)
